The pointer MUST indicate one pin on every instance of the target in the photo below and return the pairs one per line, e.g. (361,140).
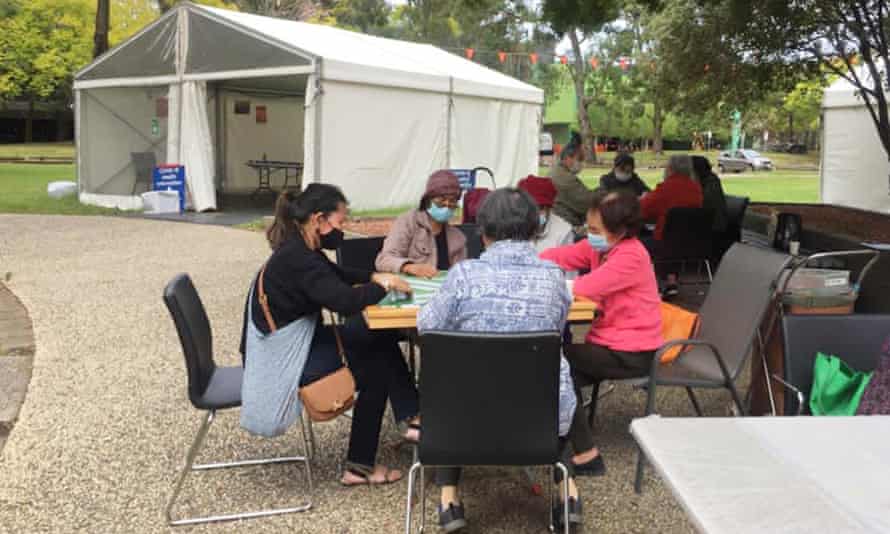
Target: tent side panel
(855,168)
(151,53)
(502,136)
(115,123)
(380,144)
(207,53)
(280,137)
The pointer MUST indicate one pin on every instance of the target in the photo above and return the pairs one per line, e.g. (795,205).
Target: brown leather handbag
(329,396)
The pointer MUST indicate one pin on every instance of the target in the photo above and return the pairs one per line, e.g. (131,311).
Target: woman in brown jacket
(421,243)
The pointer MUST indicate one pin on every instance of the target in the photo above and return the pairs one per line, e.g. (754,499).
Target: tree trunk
(657,128)
(29,123)
(578,75)
(791,127)
(100,37)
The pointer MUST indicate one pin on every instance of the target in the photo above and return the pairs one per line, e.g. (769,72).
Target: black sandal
(363,472)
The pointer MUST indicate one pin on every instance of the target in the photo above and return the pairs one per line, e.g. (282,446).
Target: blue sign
(466,177)
(170,178)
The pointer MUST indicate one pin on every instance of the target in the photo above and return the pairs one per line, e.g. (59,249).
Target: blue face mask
(440,214)
(542,220)
(598,242)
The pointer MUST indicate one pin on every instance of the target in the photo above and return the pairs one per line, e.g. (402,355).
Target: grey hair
(508,214)
(681,164)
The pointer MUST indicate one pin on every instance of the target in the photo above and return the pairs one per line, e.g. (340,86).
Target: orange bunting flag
(594,63)
(502,56)
(533,58)
(564,60)
(469,52)
(623,63)
(854,59)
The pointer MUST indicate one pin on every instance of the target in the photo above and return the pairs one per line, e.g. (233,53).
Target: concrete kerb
(16,358)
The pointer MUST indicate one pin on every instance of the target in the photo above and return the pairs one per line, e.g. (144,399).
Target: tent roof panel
(150,52)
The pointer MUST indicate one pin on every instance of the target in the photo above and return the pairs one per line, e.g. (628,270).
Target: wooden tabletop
(392,317)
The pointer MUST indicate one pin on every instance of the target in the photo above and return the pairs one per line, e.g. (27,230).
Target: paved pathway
(106,422)
(16,357)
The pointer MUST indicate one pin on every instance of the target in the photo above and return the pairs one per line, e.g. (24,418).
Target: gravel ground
(106,423)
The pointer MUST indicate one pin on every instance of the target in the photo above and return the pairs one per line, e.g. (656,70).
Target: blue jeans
(380,373)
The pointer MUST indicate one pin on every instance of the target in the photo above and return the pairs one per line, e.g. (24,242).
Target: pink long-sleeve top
(622,282)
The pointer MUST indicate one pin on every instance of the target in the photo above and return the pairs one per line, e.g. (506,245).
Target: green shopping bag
(837,389)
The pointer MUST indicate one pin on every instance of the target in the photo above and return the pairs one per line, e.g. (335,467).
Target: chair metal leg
(552,523)
(408,512)
(312,447)
(650,408)
(422,499)
(738,399)
(591,410)
(190,466)
(565,501)
(710,272)
(694,401)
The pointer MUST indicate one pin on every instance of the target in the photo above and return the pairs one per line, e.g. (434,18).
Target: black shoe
(451,519)
(593,468)
(576,514)
(670,291)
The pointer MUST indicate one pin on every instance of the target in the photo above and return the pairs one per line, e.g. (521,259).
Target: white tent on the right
(855,167)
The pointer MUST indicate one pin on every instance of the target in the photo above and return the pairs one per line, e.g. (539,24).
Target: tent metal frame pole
(317,102)
(78,167)
(450,116)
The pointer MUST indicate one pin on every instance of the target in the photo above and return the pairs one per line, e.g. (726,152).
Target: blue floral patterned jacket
(508,289)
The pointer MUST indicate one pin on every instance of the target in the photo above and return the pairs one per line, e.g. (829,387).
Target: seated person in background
(678,190)
(623,176)
(508,289)
(299,280)
(712,192)
(421,242)
(553,230)
(626,331)
(572,196)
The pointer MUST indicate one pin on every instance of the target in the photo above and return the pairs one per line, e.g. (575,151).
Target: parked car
(742,160)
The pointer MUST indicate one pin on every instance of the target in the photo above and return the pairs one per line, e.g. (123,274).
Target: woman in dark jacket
(299,280)
(712,192)
(623,176)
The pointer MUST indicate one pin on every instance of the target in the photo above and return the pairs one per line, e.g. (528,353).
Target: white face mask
(623,176)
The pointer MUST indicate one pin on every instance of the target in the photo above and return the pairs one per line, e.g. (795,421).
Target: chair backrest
(193,327)
(143,163)
(735,209)
(737,300)
(687,233)
(474,239)
(489,399)
(359,253)
(856,339)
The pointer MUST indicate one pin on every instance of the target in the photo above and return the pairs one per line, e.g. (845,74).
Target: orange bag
(676,323)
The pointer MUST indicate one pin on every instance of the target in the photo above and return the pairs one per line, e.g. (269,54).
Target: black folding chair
(360,252)
(735,221)
(474,239)
(470,419)
(688,237)
(730,319)
(212,388)
(855,339)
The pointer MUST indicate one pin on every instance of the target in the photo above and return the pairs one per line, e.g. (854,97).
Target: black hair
(294,209)
(508,213)
(620,212)
(701,167)
(572,148)
(623,158)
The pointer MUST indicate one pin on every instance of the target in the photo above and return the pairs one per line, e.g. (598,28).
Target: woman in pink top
(627,329)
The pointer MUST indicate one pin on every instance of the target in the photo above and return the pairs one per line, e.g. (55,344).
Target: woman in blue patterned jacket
(508,289)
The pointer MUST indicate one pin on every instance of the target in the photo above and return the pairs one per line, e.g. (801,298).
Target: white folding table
(774,474)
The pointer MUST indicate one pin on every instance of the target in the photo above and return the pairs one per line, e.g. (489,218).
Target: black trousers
(591,364)
(450,476)
(380,373)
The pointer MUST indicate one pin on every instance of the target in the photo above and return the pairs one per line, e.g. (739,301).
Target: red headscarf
(541,189)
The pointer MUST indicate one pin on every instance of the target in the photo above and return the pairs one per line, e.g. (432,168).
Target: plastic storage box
(161,202)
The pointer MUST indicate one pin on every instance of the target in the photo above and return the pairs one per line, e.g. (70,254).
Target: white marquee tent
(374,116)
(855,167)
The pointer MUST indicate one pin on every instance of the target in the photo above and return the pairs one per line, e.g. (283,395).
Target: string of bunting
(624,63)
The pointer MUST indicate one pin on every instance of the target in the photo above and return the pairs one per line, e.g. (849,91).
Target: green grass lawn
(774,186)
(37,150)
(781,160)
(23,190)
